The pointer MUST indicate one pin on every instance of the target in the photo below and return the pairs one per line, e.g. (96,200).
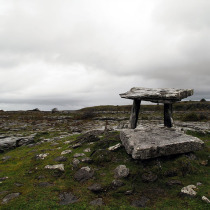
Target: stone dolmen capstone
(149,141)
(167,96)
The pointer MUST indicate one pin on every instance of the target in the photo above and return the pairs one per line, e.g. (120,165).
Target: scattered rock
(204,162)
(74,146)
(129,192)
(198,183)
(173,182)
(84,174)
(204,198)
(18,184)
(87,150)
(97,202)
(141,202)
(95,188)
(75,162)
(55,144)
(117,183)
(67,198)
(41,156)
(5,158)
(9,197)
(188,190)
(86,160)
(149,177)
(58,166)
(60,159)
(115,147)
(121,171)
(67,142)
(78,155)
(4,178)
(44,184)
(66,152)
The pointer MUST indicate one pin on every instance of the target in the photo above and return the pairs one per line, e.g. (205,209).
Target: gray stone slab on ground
(149,142)
(157,95)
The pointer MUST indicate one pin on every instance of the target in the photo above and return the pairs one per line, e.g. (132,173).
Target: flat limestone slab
(157,95)
(150,142)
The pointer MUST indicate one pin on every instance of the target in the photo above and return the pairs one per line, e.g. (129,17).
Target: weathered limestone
(150,142)
(134,113)
(159,95)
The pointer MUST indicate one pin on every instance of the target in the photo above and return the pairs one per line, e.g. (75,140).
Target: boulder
(54,167)
(97,202)
(9,197)
(84,174)
(67,198)
(95,187)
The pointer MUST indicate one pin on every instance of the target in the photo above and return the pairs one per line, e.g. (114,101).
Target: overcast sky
(71,54)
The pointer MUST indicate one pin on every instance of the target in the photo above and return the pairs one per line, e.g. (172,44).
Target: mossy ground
(25,169)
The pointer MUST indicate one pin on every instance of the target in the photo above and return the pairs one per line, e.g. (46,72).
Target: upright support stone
(168,121)
(134,113)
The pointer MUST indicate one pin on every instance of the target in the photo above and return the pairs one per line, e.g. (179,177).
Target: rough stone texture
(59,167)
(67,198)
(9,197)
(60,159)
(41,156)
(204,198)
(115,147)
(158,95)
(97,202)
(95,187)
(66,152)
(154,141)
(189,190)
(78,155)
(117,183)
(121,171)
(7,143)
(84,174)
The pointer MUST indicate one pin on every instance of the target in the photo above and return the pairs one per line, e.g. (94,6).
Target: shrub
(203,100)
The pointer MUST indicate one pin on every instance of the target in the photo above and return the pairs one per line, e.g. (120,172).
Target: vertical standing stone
(134,113)
(168,121)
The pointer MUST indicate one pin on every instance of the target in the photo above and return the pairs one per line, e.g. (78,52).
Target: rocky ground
(71,160)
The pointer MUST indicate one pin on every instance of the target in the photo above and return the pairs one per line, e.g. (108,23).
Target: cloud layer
(71,54)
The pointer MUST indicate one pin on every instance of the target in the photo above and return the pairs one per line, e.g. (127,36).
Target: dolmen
(149,141)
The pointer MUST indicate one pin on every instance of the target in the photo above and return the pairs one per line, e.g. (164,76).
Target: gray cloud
(81,53)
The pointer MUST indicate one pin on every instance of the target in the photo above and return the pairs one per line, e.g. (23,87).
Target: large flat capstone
(157,95)
(146,142)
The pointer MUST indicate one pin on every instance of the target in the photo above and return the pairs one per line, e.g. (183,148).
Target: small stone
(115,147)
(58,166)
(188,190)
(67,198)
(74,146)
(121,171)
(44,184)
(60,159)
(95,188)
(97,202)
(55,144)
(204,198)
(66,152)
(67,142)
(75,162)
(129,192)
(204,162)
(79,155)
(84,174)
(173,182)
(149,177)
(141,202)
(117,183)
(18,184)
(87,150)
(198,183)
(5,158)
(9,197)
(4,178)
(42,156)
(86,160)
